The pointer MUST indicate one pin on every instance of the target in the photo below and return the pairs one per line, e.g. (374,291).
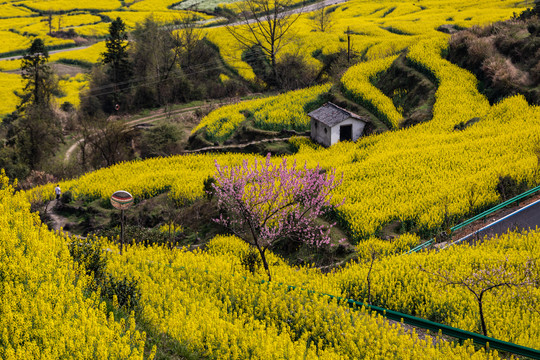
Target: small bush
(251,260)
(67,197)
(294,72)
(508,187)
(208,187)
(138,235)
(127,292)
(67,106)
(89,253)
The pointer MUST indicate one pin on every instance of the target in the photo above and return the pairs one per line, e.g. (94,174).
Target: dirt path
(239,146)
(159,115)
(58,221)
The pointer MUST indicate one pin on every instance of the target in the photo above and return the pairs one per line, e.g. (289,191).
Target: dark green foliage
(10,161)
(155,56)
(33,131)
(260,64)
(67,106)
(508,187)
(294,72)
(161,140)
(118,69)
(81,63)
(225,12)
(209,187)
(410,90)
(465,124)
(116,55)
(66,197)
(38,75)
(135,234)
(530,12)
(89,253)
(251,260)
(127,292)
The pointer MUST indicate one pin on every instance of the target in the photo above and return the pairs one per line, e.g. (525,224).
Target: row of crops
(420,175)
(212,306)
(377,30)
(45,309)
(284,111)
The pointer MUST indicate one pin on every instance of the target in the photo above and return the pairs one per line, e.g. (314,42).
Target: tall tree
(266,24)
(188,37)
(116,56)
(267,203)
(156,56)
(37,130)
(40,81)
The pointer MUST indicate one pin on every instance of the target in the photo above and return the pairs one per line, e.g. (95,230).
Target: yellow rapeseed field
(45,307)
(208,302)
(416,174)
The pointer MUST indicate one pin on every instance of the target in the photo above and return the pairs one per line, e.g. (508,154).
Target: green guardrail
(460,334)
(486,341)
(482,215)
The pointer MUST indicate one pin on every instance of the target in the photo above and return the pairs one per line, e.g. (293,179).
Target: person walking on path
(58,192)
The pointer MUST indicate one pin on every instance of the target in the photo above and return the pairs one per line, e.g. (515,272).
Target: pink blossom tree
(265,203)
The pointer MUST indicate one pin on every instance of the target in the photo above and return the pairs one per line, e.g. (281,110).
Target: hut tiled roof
(330,114)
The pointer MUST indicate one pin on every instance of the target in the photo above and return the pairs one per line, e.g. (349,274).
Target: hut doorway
(345,133)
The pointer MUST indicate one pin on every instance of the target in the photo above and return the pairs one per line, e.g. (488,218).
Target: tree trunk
(369,280)
(265,263)
(274,67)
(481,309)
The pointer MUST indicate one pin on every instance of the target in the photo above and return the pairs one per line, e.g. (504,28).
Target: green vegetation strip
(479,216)
(486,341)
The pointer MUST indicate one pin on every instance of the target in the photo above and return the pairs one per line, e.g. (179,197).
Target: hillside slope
(504,56)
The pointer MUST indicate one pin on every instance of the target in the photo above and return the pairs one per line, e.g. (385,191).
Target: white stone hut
(331,123)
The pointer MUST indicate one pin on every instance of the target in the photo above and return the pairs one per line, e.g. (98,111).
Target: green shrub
(508,187)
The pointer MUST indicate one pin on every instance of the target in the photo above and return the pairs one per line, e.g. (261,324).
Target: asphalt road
(50,52)
(304,9)
(525,218)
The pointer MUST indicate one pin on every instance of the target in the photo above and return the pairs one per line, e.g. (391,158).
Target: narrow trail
(240,146)
(132,123)
(58,221)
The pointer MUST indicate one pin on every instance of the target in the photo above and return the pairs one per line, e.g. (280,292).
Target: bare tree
(264,23)
(155,60)
(49,21)
(104,142)
(323,19)
(486,279)
(187,37)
